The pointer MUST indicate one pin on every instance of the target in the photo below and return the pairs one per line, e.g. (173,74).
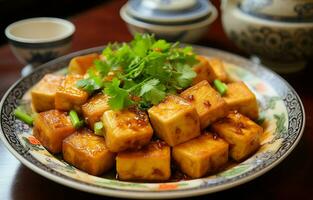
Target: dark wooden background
(291,179)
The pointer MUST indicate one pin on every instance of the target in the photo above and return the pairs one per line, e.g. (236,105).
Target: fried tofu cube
(51,128)
(208,102)
(94,109)
(175,120)
(80,64)
(202,70)
(68,96)
(201,156)
(209,69)
(43,93)
(151,163)
(216,70)
(240,97)
(241,133)
(88,152)
(126,129)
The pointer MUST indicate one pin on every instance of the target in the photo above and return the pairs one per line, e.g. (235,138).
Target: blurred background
(11,11)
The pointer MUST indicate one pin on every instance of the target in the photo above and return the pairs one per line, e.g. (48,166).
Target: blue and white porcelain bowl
(169,11)
(282,41)
(35,41)
(173,20)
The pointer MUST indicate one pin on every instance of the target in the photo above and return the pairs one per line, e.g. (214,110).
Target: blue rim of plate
(296,123)
(200,10)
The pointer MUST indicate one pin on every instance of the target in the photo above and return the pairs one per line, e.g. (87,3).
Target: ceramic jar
(279,32)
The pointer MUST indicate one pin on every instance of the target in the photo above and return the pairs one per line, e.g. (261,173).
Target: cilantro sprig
(145,71)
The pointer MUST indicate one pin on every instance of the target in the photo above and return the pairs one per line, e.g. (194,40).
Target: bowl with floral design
(281,41)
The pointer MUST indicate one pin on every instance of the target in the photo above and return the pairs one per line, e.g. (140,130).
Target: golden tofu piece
(126,129)
(209,69)
(69,96)
(43,93)
(216,70)
(88,152)
(80,64)
(151,163)
(208,102)
(202,70)
(175,120)
(239,97)
(51,128)
(94,109)
(201,156)
(241,133)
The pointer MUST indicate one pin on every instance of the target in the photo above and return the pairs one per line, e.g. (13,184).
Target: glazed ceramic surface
(37,40)
(173,20)
(181,32)
(169,11)
(279,10)
(283,125)
(282,42)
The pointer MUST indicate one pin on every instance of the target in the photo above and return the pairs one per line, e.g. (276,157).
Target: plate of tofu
(151,119)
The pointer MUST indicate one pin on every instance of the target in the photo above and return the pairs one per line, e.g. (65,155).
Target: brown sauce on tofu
(136,119)
(207,104)
(133,118)
(190,98)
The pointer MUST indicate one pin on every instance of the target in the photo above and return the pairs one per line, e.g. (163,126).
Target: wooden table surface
(291,179)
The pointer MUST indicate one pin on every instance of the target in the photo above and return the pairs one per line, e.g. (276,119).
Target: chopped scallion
(77,123)
(220,86)
(98,127)
(23,116)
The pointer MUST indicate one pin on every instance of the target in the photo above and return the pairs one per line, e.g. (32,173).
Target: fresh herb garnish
(119,97)
(98,128)
(145,70)
(76,122)
(23,116)
(220,86)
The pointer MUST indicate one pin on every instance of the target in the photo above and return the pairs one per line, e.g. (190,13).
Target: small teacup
(35,41)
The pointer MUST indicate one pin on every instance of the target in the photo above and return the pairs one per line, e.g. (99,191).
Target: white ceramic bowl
(37,40)
(183,32)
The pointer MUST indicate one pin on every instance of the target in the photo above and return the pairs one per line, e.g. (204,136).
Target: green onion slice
(76,122)
(98,127)
(23,116)
(220,86)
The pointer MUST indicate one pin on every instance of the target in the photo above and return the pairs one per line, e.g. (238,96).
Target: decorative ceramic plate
(283,125)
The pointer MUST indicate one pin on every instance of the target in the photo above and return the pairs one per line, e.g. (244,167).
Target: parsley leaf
(102,67)
(141,44)
(92,83)
(152,91)
(119,97)
(161,45)
(184,76)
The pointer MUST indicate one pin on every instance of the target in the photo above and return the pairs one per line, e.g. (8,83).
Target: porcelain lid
(169,11)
